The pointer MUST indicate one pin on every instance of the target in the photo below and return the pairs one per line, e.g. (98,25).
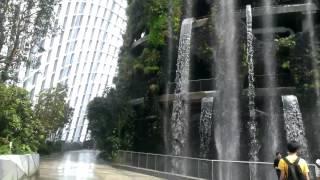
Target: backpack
(294,170)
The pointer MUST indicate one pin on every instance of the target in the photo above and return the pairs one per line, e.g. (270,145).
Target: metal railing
(195,85)
(197,168)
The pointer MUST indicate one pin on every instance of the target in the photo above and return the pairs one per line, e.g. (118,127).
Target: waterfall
(227,124)
(206,122)
(271,138)
(254,144)
(180,111)
(293,123)
(315,62)
(170,49)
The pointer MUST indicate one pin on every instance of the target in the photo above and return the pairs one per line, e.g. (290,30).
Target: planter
(18,166)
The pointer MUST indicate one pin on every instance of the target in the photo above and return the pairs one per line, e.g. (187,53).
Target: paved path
(82,165)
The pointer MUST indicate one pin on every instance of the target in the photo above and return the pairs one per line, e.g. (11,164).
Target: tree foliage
(52,109)
(109,122)
(22,26)
(25,127)
(17,122)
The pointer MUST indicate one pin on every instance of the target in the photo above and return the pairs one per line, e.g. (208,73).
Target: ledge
(260,11)
(197,96)
(139,42)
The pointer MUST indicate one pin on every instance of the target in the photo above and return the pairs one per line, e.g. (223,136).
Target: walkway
(83,165)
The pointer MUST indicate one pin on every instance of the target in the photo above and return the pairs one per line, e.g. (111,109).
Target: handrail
(202,159)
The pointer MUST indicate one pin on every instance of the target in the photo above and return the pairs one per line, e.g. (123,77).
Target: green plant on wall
(285,46)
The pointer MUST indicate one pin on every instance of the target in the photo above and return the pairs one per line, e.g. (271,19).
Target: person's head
(278,155)
(293,147)
(318,163)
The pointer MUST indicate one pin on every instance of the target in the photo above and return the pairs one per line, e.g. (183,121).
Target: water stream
(294,127)
(314,55)
(181,109)
(206,124)
(271,139)
(227,123)
(252,123)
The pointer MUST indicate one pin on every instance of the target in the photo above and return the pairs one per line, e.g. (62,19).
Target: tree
(52,109)
(110,122)
(17,122)
(22,26)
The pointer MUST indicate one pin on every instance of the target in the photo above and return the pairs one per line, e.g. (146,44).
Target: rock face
(18,166)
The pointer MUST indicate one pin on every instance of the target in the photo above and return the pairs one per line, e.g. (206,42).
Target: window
(73,20)
(74,80)
(75,8)
(75,33)
(64,61)
(46,70)
(71,59)
(82,7)
(88,20)
(52,79)
(42,85)
(77,69)
(67,47)
(32,94)
(59,9)
(82,44)
(61,73)
(49,56)
(35,78)
(68,8)
(58,51)
(61,37)
(75,102)
(92,32)
(65,22)
(70,32)
(52,40)
(95,21)
(55,65)
(78,20)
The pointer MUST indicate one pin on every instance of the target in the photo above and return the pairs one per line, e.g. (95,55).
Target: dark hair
(278,153)
(293,146)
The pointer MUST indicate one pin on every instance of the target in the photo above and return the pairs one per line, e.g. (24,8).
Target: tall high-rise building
(82,54)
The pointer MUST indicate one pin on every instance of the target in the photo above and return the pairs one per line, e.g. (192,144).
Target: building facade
(82,54)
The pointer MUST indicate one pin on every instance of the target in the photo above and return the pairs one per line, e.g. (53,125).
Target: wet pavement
(82,165)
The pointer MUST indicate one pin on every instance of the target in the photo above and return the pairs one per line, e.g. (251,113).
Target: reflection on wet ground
(82,165)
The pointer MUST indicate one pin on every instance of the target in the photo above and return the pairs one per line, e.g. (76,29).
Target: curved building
(82,55)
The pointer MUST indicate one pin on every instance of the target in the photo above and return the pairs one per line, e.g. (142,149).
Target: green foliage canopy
(17,122)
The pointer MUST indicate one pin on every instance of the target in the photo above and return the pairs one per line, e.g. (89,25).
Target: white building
(83,55)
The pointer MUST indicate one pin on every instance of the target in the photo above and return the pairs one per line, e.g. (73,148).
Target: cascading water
(254,144)
(227,124)
(180,111)
(315,61)
(271,141)
(169,68)
(206,123)
(294,127)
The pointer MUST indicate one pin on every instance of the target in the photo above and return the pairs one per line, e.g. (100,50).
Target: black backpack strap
(297,161)
(287,161)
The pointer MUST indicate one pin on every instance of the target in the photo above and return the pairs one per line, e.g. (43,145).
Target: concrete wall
(13,167)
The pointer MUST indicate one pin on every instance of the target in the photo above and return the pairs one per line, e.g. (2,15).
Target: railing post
(211,170)
(165,163)
(155,162)
(138,159)
(126,157)
(147,161)
(198,175)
